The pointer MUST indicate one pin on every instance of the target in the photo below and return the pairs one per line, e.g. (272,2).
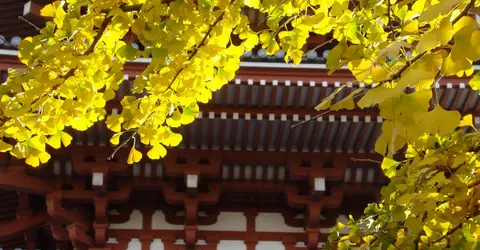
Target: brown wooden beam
(21,182)
(21,225)
(228,156)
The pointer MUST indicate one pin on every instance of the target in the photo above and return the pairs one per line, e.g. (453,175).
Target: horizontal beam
(21,182)
(21,225)
(228,156)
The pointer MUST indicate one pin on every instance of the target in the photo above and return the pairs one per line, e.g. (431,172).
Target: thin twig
(123,144)
(451,231)
(31,24)
(311,119)
(323,44)
(7,42)
(365,160)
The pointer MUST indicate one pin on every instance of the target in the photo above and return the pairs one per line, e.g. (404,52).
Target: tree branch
(366,160)
(90,50)
(30,23)
(417,57)
(311,119)
(451,231)
(464,12)
(323,44)
(195,51)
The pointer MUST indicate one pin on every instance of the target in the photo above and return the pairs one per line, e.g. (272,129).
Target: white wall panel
(159,222)
(231,245)
(157,244)
(274,222)
(135,222)
(134,244)
(228,221)
(270,245)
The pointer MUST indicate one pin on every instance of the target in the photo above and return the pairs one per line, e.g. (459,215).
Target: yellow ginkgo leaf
(33,161)
(326,102)
(134,156)
(467,121)
(427,42)
(156,152)
(48,11)
(438,120)
(475,82)
(114,123)
(44,157)
(348,102)
(66,138)
(361,68)
(4,147)
(175,139)
(54,141)
(389,166)
(115,138)
(441,8)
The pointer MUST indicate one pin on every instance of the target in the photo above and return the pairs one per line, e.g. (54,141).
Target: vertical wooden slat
(282,135)
(221,139)
(316,133)
(257,135)
(298,94)
(246,131)
(249,101)
(338,135)
(351,138)
(360,138)
(269,133)
(261,93)
(377,129)
(328,133)
(234,131)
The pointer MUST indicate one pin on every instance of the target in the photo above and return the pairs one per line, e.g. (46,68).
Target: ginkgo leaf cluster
(399,49)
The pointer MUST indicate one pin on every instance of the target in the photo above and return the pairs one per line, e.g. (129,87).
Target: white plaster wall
(270,245)
(159,222)
(112,240)
(135,222)
(274,222)
(228,221)
(134,244)
(231,245)
(157,244)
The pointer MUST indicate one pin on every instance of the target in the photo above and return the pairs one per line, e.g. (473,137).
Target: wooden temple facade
(241,179)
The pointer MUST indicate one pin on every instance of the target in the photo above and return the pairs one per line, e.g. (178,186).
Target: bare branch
(123,144)
(311,119)
(365,160)
(7,42)
(31,24)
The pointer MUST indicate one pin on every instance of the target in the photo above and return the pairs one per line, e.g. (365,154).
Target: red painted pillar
(146,239)
(251,241)
(30,240)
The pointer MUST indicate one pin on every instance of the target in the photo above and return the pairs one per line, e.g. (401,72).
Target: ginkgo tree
(400,49)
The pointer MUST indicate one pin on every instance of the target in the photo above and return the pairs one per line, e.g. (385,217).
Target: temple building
(242,178)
